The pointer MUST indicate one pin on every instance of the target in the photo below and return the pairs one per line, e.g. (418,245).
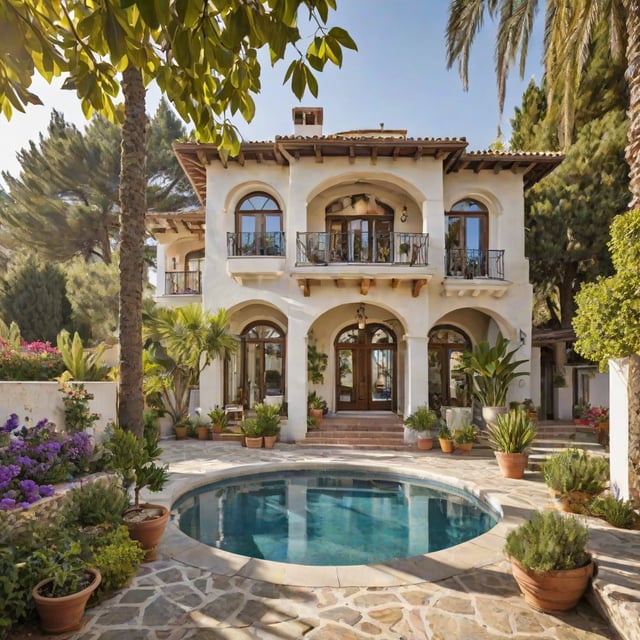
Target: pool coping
(483,550)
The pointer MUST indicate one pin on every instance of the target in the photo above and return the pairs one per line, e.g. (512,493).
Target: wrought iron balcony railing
(354,247)
(475,263)
(182,282)
(256,243)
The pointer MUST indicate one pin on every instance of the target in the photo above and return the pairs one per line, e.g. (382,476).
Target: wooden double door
(366,369)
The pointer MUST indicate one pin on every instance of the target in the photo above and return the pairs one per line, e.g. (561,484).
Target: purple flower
(11,424)
(6,504)
(46,490)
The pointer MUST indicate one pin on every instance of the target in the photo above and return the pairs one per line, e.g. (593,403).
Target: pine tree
(35,298)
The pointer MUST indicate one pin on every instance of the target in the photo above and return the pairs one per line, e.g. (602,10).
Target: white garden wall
(38,400)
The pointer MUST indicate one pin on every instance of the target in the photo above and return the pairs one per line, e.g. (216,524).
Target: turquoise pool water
(331,517)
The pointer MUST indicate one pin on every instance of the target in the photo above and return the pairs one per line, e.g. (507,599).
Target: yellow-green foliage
(574,470)
(117,557)
(81,364)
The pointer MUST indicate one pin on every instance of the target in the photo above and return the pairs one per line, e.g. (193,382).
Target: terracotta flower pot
(58,615)
(464,447)
(512,465)
(446,445)
(181,432)
(552,591)
(425,443)
(253,443)
(269,441)
(316,414)
(147,525)
(203,432)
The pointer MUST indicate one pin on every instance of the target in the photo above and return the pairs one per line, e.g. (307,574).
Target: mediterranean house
(388,255)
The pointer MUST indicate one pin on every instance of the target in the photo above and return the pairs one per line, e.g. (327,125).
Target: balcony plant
(510,436)
(550,561)
(135,463)
(422,421)
(492,369)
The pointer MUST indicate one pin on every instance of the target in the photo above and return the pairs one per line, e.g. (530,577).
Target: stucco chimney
(307,121)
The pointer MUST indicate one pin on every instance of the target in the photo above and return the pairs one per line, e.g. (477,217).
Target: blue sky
(398,77)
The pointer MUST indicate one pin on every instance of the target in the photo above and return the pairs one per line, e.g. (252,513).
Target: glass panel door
(273,369)
(381,375)
(345,376)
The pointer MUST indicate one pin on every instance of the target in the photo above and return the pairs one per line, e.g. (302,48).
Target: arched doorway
(366,369)
(447,385)
(256,372)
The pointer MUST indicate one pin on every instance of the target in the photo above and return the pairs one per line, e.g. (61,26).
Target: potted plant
(134,461)
(575,477)
(510,436)
(252,433)
(422,420)
(445,438)
(268,422)
(218,418)
(404,250)
(181,428)
(317,406)
(62,596)
(492,369)
(203,428)
(549,561)
(464,437)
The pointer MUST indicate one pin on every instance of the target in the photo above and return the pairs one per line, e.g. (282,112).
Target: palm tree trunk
(133,206)
(632,152)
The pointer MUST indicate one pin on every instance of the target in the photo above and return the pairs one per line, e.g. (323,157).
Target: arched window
(256,372)
(359,228)
(448,385)
(258,226)
(466,242)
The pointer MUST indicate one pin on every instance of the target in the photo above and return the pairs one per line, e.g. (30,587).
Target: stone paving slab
(208,596)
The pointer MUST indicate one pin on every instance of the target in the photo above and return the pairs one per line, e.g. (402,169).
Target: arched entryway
(448,385)
(256,371)
(366,369)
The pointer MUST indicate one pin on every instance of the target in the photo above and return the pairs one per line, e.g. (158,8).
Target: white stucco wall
(619,427)
(38,400)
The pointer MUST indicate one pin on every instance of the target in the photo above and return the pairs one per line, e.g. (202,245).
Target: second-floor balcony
(360,248)
(475,263)
(255,254)
(183,282)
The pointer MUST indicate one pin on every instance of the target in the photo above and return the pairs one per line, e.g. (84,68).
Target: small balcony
(475,263)
(357,248)
(183,283)
(472,272)
(252,255)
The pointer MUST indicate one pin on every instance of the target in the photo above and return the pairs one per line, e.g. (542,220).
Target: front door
(448,385)
(366,369)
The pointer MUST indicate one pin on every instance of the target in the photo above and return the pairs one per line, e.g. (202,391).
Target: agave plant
(81,364)
(492,369)
(512,432)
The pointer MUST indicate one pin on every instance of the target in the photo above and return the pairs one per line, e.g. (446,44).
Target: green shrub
(268,418)
(423,420)
(573,470)
(117,557)
(17,365)
(96,503)
(619,513)
(549,541)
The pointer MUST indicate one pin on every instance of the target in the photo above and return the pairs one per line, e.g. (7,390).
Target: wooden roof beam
(317,150)
(352,154)
(417,286)
(374,155)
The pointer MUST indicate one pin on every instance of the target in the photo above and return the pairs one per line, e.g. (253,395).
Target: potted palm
(134,461)
(317,406)
(464,437)
(550,561)
(268,422)
(492,369)
(252,433)
(218,418)
(510,436)
(445,438)
(422,420)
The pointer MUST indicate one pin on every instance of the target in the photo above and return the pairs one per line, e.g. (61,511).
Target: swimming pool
(331,517)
